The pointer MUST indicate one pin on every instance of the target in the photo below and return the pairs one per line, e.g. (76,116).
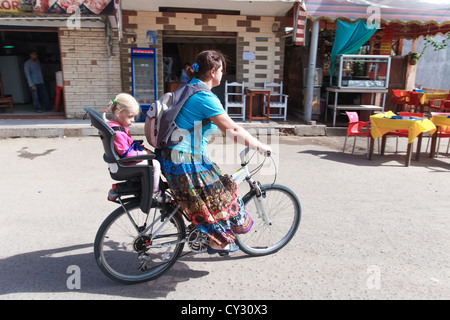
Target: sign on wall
(58,6)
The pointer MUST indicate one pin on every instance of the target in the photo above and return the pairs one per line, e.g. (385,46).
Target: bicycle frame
(239,176)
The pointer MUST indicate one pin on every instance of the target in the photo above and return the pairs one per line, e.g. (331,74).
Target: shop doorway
(180,48)
(15,46)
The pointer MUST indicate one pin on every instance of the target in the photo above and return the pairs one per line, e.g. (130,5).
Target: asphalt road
(369,230)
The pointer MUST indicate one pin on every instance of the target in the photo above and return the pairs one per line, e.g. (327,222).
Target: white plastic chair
(278,100)
(235,99)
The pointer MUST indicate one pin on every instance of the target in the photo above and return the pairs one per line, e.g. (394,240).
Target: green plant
(429,41)
(415,57)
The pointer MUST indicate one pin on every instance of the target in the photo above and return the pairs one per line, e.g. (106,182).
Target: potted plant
(414,57)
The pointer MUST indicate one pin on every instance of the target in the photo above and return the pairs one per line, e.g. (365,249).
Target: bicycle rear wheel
(283,209)
(128,257)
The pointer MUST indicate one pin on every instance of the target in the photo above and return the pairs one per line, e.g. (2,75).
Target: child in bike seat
(124,109)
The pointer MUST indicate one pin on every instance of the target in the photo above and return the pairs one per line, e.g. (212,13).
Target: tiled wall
(91,76)
(254,34)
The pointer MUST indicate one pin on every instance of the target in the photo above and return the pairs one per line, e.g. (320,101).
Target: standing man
(36,84)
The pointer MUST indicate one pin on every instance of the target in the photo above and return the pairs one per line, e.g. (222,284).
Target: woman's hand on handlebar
(265,150)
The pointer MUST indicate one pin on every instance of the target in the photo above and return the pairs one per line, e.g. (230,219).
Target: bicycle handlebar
(245,152)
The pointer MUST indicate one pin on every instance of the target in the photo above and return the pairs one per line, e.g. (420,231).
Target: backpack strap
(118,129)
(198,88)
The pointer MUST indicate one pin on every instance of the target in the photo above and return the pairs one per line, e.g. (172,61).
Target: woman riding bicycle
(207,196)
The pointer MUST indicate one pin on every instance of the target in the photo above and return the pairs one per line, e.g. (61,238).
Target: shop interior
(179,49)
(15,45)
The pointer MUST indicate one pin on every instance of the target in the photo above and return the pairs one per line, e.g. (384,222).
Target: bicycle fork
(244,174)
(260,195)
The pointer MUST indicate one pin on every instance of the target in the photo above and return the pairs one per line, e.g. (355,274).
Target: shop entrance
(15,46)
(180,48)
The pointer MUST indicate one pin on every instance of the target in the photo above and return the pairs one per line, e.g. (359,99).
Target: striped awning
(408,18)
(436,12)
(407,11)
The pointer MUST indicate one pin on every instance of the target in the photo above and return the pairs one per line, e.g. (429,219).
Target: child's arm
(122,143)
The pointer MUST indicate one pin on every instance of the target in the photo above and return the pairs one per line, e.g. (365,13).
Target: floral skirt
(205,195)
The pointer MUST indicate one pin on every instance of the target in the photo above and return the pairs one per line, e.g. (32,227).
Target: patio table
(383,123)
(442,123)
(263,93)
(425,97)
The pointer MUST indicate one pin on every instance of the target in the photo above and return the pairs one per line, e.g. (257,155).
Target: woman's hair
(205,61)
(123,101)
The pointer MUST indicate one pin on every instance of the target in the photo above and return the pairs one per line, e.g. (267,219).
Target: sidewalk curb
(76,128)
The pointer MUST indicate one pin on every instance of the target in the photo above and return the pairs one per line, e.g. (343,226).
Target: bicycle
(133,245)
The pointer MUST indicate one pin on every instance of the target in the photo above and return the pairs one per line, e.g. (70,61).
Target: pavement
(369,229)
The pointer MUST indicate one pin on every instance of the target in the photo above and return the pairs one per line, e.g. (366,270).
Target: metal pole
(307,107)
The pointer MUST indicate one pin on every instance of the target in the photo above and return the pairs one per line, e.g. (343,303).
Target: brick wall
(91,77)
(254,34)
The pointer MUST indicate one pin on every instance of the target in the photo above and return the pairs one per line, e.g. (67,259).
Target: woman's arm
(238,133)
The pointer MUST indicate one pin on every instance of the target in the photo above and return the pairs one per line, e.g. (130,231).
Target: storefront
(91,46)
(251,35)
(78,55)
(17,42)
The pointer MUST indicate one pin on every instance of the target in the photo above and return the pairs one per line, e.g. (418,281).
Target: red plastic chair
(355,130)
(443,134)
(436,105)
(400,98)
(446,107)
(402,132)
(414,101)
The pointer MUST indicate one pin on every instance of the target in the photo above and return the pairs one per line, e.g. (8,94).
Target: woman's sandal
(224,252)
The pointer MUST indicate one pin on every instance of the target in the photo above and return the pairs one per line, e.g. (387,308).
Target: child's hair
(123,101)
(205,61)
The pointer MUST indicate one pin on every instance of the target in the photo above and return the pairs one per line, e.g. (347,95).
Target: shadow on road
(391,159)
(46,271)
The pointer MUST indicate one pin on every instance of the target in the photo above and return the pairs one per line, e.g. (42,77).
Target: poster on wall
(58,6)
(152,37)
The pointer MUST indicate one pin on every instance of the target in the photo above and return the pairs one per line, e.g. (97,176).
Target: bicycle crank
(197,241)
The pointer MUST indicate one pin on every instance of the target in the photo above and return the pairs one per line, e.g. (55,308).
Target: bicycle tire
(284,210)
(117,243)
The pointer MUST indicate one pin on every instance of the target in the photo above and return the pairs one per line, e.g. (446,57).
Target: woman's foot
(223,251)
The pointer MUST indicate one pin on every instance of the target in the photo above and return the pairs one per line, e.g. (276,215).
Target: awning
(389,11)
(410,18)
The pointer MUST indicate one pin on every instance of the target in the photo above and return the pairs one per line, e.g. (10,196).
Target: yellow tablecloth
(424,97)
(441,121)
(382,124)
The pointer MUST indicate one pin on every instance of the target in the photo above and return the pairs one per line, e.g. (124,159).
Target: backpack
(160,120)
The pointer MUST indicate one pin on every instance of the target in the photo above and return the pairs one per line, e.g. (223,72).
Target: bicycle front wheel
(126,255)
(271,233)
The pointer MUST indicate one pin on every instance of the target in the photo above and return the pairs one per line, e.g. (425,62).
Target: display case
(143,78)
(361,71)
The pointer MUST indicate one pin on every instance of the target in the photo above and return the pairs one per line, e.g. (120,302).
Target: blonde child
(124,109)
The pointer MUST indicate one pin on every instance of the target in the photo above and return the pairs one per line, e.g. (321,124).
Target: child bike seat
(120,169)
